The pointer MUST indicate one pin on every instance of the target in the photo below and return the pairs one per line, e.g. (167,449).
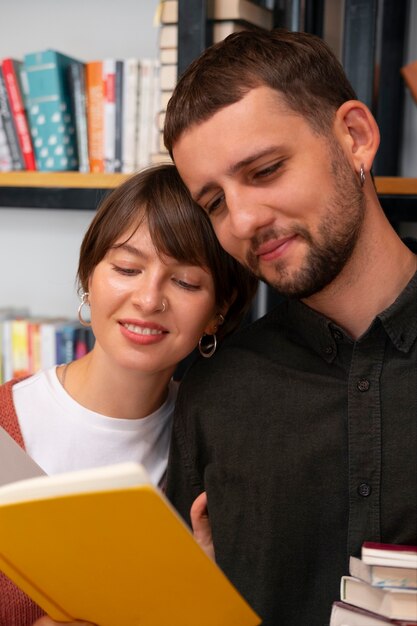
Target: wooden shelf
(56,190)
(74,190)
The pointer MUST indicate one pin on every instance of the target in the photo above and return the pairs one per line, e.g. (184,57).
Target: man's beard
(329,252)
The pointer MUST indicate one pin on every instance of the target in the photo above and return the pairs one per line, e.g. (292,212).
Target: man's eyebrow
(233,169)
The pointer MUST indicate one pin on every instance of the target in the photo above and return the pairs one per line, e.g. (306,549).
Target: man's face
(283,200)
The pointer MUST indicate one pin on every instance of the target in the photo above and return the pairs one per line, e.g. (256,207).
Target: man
(302,429)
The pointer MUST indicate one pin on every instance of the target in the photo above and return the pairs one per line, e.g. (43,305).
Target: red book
(11,73)
(389,554)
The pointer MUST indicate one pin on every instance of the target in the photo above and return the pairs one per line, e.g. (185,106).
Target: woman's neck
(113,391)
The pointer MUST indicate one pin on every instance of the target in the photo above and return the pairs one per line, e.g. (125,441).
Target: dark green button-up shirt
(306,443)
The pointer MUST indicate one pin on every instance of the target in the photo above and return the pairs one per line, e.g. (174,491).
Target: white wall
(39,248)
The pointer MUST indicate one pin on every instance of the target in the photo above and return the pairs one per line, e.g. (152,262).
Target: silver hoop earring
(84,302)
(209,348)
(362,176)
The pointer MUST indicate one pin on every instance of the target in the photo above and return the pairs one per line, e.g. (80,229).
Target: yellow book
(105,546)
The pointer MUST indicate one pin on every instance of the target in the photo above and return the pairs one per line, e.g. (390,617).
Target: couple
(302,429)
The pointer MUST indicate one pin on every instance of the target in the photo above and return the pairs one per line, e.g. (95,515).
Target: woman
(157,284)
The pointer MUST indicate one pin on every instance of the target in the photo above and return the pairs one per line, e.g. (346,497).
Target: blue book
(51,117)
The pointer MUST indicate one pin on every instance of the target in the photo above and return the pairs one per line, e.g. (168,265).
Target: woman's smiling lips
(142,333)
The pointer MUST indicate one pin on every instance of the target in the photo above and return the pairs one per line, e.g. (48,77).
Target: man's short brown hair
(300,66)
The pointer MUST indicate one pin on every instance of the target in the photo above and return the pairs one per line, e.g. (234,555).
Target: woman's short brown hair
(300,66)
(178,228)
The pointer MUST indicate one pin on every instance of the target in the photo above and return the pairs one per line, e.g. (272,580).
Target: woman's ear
(357,131)
(218,320)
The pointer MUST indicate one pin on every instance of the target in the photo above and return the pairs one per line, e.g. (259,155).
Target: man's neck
(377,273)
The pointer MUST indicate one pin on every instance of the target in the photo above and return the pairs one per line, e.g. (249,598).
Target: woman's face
(148,311)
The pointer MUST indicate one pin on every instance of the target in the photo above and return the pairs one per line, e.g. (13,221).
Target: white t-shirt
(61,435)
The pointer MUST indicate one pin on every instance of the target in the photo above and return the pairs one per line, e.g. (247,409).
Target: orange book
(409,73)
(95,114)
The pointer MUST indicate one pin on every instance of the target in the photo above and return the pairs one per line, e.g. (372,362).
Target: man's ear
(357,131)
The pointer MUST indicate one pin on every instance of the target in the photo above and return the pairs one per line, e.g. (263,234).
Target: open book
(104,545)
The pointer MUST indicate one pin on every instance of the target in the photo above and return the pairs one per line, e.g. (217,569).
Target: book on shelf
(383,575)
(118,140)
(9,127)
(148,107)
(95,114)
(112,115)
(389,554)
(130,113)
(76,77)
(50,111)
(391,602)
(168,56)
(167,12)
(12,69)
(409,74)
(6,164)
(104,545)
(245,10)
(343,614)
(168,76)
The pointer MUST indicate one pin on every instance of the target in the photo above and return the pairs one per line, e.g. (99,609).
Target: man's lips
(274,248)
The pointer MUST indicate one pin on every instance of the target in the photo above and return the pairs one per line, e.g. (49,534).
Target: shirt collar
(322,335)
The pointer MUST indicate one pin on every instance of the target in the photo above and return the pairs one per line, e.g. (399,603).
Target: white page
(15,464)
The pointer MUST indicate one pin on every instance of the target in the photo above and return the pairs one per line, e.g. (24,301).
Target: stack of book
(381,588)
(59,113)
(28,344)
(224,17)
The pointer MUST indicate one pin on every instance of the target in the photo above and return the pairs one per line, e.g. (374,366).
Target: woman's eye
(126,271)
(211,207)
(188,286)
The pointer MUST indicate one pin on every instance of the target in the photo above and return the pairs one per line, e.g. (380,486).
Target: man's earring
(362,176)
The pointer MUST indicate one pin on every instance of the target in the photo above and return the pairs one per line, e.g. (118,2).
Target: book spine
(118,149)
(5,154)
(20,348)
(11,69)
(95,117)
(145,113)
(130,117)
(50,111)
(76,76)
(9,127)
(109,122)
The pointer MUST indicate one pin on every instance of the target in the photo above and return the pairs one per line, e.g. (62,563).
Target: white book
(130,117)
(147,120)
(5,154)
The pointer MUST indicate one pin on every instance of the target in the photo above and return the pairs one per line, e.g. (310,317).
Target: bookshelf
(74,190)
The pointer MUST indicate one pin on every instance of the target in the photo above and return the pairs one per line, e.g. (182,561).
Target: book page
(15,464)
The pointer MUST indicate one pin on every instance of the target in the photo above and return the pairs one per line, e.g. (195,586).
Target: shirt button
(337,334)
(328,350)
(364,490)
(363,384)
